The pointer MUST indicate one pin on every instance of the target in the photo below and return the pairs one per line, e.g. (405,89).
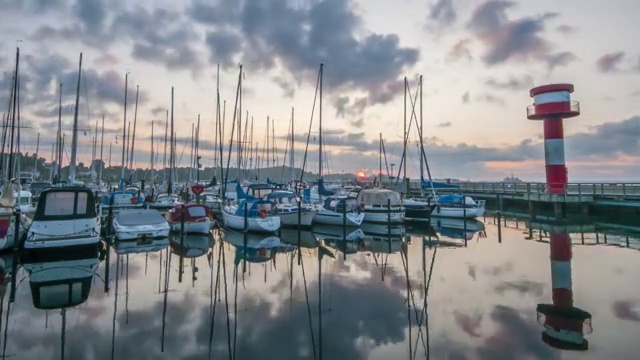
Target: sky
(478,60)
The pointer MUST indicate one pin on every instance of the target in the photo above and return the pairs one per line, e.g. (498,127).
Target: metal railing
(616,191)
(573,108)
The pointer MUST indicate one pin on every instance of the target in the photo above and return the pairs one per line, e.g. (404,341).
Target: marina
(166,296)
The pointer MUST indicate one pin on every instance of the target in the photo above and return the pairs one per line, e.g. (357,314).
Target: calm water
(275,302)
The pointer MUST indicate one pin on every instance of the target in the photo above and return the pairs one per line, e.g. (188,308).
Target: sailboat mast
(240,122)
(152,153)
(164,158)
(13,118)
(51,168)
(94,154)
(101,152)
(291,159)
(59,135)
(110,146)
(135,122)
(421,136)
(380,159)
(320,121)
(126,161)
(197,152)
(404,147)
(74,135)
(124,124)
(35,163)
(170,185)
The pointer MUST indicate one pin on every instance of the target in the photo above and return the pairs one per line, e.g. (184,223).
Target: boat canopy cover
(253,207)
(455,200)
(438,185)
(65,203)
(379,197)
(192,212)
(139,217)
(322,190)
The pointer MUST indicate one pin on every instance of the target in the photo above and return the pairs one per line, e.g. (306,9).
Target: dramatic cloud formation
(442,13)
(608,63)
(512,40)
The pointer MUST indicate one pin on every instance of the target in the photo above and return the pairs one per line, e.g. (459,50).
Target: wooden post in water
(344,226)
(388,225)
(109,242)
(499,228)
(16,234)
(245,238)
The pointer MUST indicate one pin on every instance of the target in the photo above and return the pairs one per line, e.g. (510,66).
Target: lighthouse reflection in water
(565,325)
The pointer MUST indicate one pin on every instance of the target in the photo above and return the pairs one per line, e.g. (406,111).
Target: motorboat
(164,201)
(251,214)
(287,209)
(140,246)
(65,216)
(190,245)
(458,206)
(381,206)
(196,218)
(339,211)
(132,224)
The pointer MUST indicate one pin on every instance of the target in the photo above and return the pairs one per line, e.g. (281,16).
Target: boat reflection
(140,246)
(191,245)
(308,239)
(334,233)
(459,228)
(254,247)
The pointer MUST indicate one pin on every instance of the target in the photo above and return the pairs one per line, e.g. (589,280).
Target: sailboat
(11,186)
(336,210)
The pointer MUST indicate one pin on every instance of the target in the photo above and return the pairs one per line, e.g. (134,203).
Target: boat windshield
(23,201)
(63,205)
(197,211)
(285,200)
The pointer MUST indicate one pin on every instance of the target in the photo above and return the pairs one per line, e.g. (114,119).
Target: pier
(576,198)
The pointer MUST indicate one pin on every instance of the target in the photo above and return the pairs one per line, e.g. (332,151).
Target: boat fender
(438,209)
(262,252)
(134,200)
(362,206)
(263,213)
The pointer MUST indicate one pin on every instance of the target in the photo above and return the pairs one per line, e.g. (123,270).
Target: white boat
(164,201)
(65,216)
(259,216)
(381,206)
(458,206)
(287,209)
(140,246)
(197,218)
(213,201)
(333,212)
(121,200)
(132,224)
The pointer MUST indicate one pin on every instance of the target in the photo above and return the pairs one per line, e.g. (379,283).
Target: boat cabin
(192,212)
(65,203)
(457,201)
(120,198)
(379,198)
(282,197)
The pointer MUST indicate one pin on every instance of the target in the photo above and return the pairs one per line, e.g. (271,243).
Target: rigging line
(405,136)
(215,299)
(306,148)
(306,295)
(424,155)
(233,127)
(226,300)
(115,310)
(403,255)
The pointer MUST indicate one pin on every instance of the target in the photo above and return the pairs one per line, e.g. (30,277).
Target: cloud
(442,13)
(297,39)
(465,98)
(608,63)
(158,110)
(506,39)
(492,99)
(524,82)
(560,59)
(444,124)
(287,86)
(523,287)
(566,29)
(460,51)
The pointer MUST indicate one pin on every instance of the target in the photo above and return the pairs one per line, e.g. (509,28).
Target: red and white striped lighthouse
(563,323)
(552,103)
